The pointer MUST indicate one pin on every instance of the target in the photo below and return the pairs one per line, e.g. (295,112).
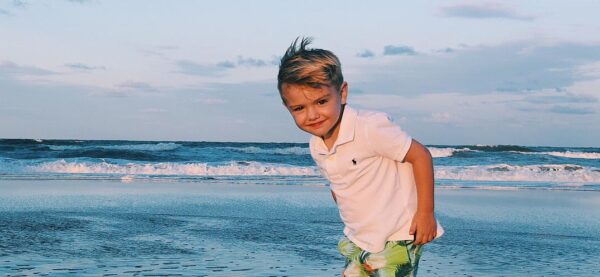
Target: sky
(448,72)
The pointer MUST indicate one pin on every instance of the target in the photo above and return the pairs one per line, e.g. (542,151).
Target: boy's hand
(423,227)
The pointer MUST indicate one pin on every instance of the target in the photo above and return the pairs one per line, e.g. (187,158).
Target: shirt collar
(345,135)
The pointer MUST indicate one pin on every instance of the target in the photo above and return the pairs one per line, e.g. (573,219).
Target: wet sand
(109,228)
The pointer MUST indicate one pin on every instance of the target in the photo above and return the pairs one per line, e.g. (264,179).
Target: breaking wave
(528,173)
(296,150)
(187,169)
(132,147)
(437,152)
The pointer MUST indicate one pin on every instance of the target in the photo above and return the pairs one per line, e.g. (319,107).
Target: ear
(344,92)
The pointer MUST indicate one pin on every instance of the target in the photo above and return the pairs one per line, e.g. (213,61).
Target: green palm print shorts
(398,258)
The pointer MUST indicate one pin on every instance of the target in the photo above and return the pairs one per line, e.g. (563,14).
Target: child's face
(315,110)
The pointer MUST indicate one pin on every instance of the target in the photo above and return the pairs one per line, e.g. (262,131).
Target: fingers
(424,237)
(421,238)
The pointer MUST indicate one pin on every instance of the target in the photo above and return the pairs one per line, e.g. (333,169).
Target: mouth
(316,124)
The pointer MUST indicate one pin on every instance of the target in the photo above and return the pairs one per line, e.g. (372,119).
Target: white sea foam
(445,152)
(576,155)
(481,187)
(571,174)
(145,147)
(282,151)
(530,173)
(193,169)
(566,154)
(138,147)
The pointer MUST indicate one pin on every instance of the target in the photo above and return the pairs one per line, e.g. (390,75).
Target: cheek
(298,118)
(334,109)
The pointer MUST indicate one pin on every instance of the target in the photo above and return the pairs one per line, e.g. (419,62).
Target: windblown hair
(305,66)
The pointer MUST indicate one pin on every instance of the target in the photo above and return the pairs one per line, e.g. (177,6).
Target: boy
(381,179)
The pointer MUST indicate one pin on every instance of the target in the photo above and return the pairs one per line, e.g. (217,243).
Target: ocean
(463,166)
(173,208)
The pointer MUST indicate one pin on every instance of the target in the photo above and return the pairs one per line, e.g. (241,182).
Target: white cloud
(590,70)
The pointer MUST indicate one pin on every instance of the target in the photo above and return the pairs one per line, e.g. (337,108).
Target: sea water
(128,208)
(472,166)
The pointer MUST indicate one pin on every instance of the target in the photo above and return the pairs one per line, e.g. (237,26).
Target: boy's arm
(424,225)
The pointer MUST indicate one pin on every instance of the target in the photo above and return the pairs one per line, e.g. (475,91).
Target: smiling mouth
(316,125)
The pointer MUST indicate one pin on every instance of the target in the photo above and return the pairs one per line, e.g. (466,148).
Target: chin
(319,132)
(311,131)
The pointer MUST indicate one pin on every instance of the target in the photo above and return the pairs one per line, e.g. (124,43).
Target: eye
(296,109)
(322,101)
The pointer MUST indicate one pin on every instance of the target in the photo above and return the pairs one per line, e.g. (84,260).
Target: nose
(313,114)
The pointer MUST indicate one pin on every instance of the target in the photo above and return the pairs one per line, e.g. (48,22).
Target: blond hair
(313,67)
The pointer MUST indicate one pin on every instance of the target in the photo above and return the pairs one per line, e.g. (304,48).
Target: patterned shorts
(398,258)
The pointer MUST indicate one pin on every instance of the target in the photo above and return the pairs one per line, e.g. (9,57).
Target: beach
(158,228)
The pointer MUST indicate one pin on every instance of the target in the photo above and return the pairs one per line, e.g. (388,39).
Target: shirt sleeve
(386,138)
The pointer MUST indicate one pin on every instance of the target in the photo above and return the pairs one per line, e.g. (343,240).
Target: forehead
(297,94)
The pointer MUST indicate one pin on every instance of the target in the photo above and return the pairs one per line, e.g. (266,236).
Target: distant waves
(266,162)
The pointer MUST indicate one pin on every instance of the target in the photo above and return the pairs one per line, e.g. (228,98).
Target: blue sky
(449,72)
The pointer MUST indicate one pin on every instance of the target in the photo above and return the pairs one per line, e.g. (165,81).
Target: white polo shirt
(375,191)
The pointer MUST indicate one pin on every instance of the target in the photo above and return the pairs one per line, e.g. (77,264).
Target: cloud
(218,69)
(84,67)
(19,3)
(398,50)
(591,70)
(366,54)
(572,110)
(193,68)
(5,12)
(12,69)
(138,86)
(482,10)
(514,67)
(561,98)
(225,64)
(250,62)
(80,1)
(445,50)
